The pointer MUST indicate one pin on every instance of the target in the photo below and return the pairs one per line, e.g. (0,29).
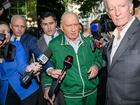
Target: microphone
(27,77)
(42,59)
(56,83)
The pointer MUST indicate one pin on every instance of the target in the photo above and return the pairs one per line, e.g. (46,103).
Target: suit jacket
(59,100)
(30,45)
(43,46)
(123,82)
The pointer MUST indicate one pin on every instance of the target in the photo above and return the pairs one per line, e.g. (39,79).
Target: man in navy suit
(12,91)
(123,54)
(9,76)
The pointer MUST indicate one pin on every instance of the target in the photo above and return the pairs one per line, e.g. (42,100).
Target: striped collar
(66,41)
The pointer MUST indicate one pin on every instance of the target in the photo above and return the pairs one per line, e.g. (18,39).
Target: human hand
(55,73)
(34,68)
(99,43)
(93,71)
(46,96)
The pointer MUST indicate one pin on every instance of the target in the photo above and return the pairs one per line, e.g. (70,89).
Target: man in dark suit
(26,45)
(123,82)
(49,30)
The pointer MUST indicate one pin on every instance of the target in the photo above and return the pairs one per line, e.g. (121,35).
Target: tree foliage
(87,6)
(31,7)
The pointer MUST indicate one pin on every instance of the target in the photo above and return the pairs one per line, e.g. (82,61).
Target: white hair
(106,7)
(68,13)
(14,17)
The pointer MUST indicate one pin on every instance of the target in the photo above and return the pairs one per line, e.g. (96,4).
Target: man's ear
(108,15)
(41,25)
(10,26)
(131,9)
(56,23)
(61,27)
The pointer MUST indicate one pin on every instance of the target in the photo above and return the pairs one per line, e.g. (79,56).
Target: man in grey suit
(49,28)
(123,81)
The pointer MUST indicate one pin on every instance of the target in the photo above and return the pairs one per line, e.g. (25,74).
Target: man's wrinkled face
(119,11)
(18,26)
(70,26)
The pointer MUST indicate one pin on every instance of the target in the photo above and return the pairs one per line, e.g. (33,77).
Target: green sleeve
(45,80)
(98,58)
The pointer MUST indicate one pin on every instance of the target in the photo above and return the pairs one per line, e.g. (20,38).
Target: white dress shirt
(48,38)
(116,41)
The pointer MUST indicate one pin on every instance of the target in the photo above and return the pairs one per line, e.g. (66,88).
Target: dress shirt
(14,37)
(75,44)
(116,41)
(48,38)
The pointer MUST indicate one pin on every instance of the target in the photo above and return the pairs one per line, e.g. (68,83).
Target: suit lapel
(124,43)
(109,48)
(42,44)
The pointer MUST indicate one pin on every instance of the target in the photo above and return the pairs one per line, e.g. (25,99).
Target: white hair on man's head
(14,17)
(68,13)
(106,7)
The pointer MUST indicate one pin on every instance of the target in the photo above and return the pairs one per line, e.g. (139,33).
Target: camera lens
(2,37)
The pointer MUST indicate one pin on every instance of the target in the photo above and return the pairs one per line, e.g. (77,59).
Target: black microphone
(27,77)
(56,83)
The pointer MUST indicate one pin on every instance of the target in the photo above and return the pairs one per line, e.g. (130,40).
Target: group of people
(79,83)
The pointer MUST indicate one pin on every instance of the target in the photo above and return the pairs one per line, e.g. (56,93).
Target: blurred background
(87,10)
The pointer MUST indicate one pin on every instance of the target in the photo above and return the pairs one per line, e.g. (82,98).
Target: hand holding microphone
(32,69)
(56,84)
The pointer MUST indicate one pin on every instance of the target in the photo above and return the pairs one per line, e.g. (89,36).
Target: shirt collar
(13,37)
(54,35)
(122,33)
(67,41)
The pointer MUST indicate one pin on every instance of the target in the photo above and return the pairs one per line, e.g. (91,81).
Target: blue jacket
(11,71)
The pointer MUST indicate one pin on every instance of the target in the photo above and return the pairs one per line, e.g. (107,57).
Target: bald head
(70,25)
(67,15)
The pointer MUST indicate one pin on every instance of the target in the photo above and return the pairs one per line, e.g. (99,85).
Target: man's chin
(18,35)
(50,34)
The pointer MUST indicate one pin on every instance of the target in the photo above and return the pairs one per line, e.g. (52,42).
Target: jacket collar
(65,40)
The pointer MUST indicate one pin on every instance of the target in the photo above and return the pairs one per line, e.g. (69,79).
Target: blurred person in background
(81,28)
(4,29)
(137,8)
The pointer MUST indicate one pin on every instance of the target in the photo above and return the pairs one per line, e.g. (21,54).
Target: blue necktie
(15,39)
